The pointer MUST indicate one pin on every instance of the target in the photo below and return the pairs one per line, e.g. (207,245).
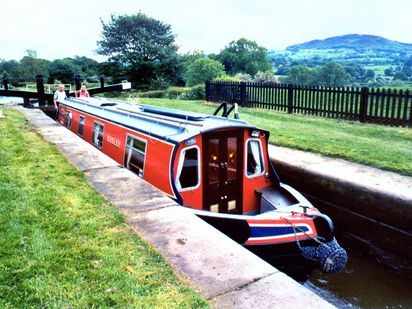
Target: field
(62,244)
(383,147)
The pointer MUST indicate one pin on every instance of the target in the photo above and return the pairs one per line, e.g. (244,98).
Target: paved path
(226,274)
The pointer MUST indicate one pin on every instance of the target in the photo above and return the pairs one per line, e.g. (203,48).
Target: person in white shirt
(59,95)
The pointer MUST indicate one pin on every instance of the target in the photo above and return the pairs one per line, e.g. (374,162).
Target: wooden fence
(380,106)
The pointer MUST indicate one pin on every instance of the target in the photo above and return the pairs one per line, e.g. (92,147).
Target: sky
(58,29)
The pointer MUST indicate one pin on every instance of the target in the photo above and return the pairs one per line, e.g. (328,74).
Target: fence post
(363,108)
(242,93)
(290,98)
(77,82)
(410,114)
(40,89)
(101,81)
(6,83)
(207,90)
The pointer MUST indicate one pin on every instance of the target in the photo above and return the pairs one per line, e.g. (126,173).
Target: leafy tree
(31,66)
(301,75)
(369,75)
(407,70)
(203,69)
(31,53)
(143,46)
(244,56)
(400,76)
(113,71)
(85,66)
(62,70)
(282,70)
(355,71)
(333,74)
(11,69)
(389,71)
(191,57)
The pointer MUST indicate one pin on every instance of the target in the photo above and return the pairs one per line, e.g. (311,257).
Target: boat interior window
(68,123)
(80,130)
(135,155)
(98,131)
(188,171)
(254,158)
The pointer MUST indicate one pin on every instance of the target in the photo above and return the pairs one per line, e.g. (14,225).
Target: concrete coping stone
(344,172)
(225,273)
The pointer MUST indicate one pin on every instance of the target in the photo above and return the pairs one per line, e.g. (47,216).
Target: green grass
(62,244)
(383,147)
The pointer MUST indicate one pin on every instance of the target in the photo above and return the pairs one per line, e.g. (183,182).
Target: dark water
(362,284)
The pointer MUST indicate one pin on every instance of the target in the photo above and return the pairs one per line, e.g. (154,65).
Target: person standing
(59,95)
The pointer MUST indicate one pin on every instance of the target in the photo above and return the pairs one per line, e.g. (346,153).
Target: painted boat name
(114,141)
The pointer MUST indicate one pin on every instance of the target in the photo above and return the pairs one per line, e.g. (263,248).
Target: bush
(244,77)
(153,94)
(177,93)
(265,77)
(197,92)
(227,78)
(203,69)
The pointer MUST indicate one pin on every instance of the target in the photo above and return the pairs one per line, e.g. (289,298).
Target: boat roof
(165,123)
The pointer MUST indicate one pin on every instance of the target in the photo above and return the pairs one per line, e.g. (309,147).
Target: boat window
(81,126)
(188,170)
(254,159)
(98,131)
(68,122)
(135,155)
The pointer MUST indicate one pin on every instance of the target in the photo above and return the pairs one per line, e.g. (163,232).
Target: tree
(389,71)
(62,70)
(144,46)
(11,69)
(244,56)
(301,75)
(355,71)
(31,66)
(333,74)
(203,69)
(369,75)
(400,76)
(86,66)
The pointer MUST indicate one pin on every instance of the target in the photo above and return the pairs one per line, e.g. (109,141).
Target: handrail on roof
(169,119)
(142,115)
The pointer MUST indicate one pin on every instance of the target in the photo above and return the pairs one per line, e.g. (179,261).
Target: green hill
(356,42)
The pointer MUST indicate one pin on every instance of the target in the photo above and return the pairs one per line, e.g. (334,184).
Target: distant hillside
(356,42)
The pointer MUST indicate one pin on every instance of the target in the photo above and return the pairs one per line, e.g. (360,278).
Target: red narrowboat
(217,166)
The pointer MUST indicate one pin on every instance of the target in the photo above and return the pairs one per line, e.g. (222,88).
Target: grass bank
(62,244)
(383,147)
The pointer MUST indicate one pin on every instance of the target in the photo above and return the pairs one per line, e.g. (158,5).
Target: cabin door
(222,171)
